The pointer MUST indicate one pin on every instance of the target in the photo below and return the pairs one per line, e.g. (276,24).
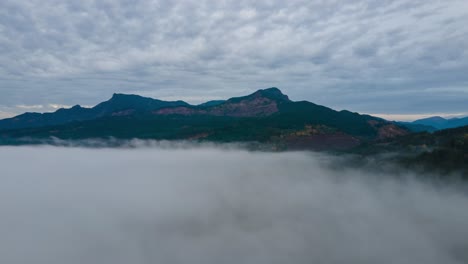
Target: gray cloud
(207,205)
(346,54)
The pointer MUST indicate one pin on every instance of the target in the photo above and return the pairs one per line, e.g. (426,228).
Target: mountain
(417,127)
(435,121)
(442,123)
(118,105)
(266,116)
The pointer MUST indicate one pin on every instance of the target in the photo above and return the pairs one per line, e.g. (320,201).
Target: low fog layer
(207,205)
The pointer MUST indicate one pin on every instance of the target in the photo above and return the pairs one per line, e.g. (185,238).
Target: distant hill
(434,123)
(442,123)
(417,127)
(266,115)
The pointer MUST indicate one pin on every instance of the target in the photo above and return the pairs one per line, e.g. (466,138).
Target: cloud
(207,205)
(58,106)
(6,114)
(30,107)
(315,50)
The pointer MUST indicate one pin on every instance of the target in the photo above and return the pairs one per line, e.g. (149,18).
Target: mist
(207,204)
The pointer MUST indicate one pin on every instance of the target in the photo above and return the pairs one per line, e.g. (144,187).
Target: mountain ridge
(442,123)
(121,104)
(266,115)
(115,105)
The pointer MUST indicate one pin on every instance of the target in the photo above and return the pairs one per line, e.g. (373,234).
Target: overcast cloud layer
(207,205)
(385,56)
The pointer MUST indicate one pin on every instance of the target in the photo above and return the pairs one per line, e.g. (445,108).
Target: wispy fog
(209,205)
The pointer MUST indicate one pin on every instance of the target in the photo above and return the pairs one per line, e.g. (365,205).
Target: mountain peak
(433,118)
(272,89)
(116,95)
(124,96)
(272,93)
(442,123)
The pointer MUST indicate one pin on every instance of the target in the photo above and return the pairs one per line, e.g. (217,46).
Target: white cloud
(87,50)
(247,13)
(58,106)
(30,107)
(74,205)
(6,114)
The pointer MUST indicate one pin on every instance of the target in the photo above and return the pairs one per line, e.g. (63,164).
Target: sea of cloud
(205,204)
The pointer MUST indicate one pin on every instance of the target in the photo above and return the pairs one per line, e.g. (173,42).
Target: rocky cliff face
(387,130)
(249,107)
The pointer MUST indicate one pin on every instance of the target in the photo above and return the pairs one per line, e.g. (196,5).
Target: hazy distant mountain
(442,123)
(434,123)
(417,127)
(267,115)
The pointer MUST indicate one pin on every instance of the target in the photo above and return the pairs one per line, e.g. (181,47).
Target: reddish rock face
(387,130)
(390,131)
(257,106)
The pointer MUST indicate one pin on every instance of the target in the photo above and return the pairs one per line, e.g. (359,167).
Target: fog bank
(211,205)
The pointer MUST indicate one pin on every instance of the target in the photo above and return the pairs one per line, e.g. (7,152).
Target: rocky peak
(272,93)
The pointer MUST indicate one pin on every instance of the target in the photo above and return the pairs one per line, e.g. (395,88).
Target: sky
(401,59)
